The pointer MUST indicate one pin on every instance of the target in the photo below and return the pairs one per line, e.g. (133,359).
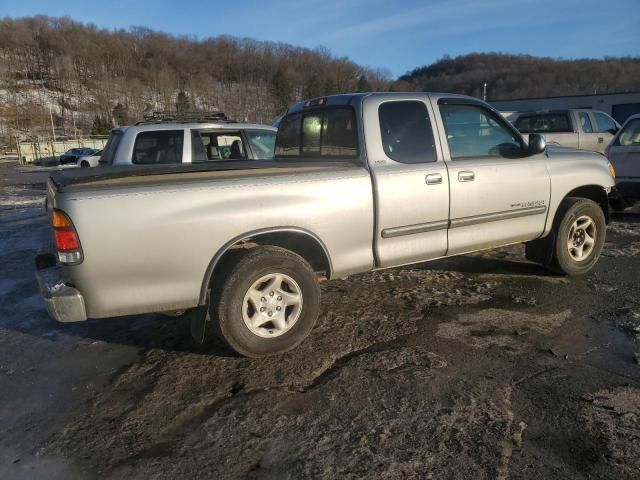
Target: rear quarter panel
(147,249)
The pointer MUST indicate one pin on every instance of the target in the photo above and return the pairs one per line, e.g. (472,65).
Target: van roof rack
(185,117)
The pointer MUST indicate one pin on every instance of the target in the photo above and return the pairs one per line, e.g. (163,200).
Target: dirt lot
(481,366)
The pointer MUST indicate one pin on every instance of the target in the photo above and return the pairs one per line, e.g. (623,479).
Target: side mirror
(537,144)
(613,130)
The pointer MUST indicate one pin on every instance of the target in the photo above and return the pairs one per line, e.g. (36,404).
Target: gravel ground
(481,366)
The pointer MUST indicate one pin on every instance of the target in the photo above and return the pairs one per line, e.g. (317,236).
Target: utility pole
(484,91)
(75,131)
(53,129)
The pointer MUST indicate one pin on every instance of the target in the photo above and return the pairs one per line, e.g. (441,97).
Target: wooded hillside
(113,77)
(521,76)
(101,78)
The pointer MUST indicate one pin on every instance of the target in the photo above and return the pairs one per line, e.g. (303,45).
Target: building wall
(618,105)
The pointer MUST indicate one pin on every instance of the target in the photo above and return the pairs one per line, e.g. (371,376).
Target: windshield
(108,154)
(631,134)
(262,142)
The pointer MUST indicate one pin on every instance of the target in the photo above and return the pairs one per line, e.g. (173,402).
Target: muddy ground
(482,366)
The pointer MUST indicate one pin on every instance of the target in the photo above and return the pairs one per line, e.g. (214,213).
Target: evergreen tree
(330,87)
(101,125)
(281,90)
(183,103)
(120,114)
(313,88)
(363,84)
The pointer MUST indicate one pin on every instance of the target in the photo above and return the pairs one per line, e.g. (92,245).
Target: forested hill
(518,76)
(92,74)
(75,73)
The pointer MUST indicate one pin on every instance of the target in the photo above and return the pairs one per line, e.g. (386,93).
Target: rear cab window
(544,122)
(216,145)
(327,133)
(158,147)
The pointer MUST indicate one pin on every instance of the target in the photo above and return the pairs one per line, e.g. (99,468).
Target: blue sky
(398,35)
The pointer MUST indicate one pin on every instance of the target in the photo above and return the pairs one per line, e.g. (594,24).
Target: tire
(579,221)
(84,164)
(278,281)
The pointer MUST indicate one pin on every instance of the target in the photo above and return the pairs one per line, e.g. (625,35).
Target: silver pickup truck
(359,182)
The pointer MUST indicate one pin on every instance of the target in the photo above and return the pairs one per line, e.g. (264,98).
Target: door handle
(600,139)
(466,176)
(433,179)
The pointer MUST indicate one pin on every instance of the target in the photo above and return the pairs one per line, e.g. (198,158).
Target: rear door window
(407,135)
(211,146)
(328,133)
(158,147)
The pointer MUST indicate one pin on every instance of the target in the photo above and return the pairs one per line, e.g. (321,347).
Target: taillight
(66,239)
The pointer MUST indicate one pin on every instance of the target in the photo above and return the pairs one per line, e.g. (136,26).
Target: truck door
(498,194)
(624,155)
(588,134)
(607,128)
(410,180)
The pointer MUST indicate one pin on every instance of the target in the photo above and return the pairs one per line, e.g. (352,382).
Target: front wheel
(580,232)
(268,304)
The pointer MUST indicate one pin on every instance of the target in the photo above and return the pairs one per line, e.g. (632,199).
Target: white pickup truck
(359,182)
(576,128)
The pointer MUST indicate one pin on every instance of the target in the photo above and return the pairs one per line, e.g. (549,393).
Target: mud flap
(199,322)
(541,250)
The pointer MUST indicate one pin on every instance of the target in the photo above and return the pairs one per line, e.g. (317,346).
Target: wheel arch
(298,240)
(596,193)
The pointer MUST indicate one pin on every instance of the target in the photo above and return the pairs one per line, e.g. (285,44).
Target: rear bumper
(63,302)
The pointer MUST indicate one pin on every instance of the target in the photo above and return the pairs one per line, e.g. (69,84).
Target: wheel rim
(272,305)
(582,238)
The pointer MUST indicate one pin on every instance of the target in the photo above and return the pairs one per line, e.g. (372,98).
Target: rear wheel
(268,304)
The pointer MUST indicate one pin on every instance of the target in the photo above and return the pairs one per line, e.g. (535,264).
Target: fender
(572,170)
(204,290)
